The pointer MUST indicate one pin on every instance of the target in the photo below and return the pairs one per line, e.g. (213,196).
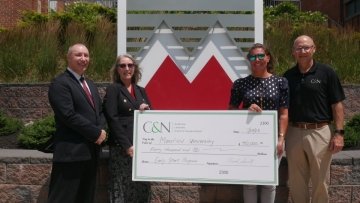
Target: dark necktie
(87,91)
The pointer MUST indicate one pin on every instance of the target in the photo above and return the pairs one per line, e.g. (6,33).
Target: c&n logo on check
(157,127)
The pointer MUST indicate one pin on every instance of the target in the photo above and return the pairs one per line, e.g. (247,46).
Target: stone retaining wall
(24,177)
(29,102)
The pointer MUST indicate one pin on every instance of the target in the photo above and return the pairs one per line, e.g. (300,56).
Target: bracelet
(281,135)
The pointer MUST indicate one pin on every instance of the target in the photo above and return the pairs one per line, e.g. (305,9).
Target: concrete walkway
(23,153)
(26,153)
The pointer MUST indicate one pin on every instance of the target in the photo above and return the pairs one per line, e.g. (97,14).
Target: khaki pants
(308,158)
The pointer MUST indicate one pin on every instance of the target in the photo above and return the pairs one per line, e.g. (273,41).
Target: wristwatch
(339,131)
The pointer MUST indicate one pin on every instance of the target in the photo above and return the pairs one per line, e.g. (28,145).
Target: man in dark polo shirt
(316,97)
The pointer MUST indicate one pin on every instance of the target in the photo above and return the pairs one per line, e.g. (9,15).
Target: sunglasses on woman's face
(124,65)
(254,57)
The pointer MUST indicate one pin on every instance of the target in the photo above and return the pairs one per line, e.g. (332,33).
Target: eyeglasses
(253,57)
(124,65)
(306,49)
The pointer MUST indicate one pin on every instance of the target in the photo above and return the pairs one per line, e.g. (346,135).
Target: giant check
(230,147)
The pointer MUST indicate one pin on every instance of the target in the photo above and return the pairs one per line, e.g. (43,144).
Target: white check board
(229,147)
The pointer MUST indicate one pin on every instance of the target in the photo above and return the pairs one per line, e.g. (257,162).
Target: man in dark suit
(79,131)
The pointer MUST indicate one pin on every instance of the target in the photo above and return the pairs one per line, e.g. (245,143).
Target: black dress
(268,93)
(119,106)
(122,188)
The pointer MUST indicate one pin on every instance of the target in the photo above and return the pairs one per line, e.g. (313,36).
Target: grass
(338,48)
(36,52)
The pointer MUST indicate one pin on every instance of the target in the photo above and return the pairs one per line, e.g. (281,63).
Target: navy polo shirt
(313,93)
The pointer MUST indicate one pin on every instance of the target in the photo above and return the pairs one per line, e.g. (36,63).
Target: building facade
(351,13)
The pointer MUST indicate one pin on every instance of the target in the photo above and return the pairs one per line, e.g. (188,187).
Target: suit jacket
(78,124)
(119,106)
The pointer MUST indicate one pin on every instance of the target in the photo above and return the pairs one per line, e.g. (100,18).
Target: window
(352,8)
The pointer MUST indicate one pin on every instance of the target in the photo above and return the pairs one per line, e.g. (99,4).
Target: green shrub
(8,125)
(85,13)
(35,136)
(352,132)
(330,46)
(288,10)
(30,17)
(88,13)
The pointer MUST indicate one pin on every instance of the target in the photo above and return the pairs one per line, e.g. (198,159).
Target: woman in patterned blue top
(262,91)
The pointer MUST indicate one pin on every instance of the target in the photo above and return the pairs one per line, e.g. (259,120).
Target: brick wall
(353,23)
(11,10)
(24,177)
(330,8)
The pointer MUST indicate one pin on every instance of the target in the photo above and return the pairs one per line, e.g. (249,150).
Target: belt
(310,125)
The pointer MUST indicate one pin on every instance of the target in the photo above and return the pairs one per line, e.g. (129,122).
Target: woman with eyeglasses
(122,97)
(262,90)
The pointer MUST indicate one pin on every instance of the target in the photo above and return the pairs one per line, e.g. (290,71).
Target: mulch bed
(9,142)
